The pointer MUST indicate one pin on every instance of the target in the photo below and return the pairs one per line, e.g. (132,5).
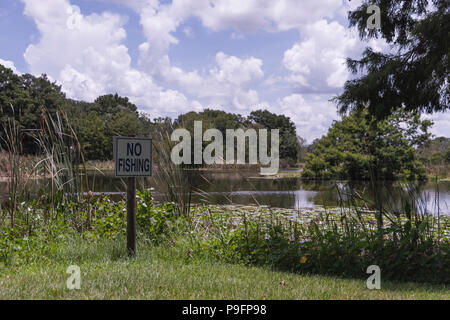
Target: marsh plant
(60,161)
(403,239)
(174,177)
(13,146)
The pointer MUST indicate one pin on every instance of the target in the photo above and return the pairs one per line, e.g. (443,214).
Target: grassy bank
(215,252)
(164,272)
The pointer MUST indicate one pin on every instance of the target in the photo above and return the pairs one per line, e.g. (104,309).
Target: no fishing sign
(132,157)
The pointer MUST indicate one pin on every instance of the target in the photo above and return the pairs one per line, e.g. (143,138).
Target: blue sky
(169,57)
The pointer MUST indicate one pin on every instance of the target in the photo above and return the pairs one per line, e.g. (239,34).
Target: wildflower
(303,260)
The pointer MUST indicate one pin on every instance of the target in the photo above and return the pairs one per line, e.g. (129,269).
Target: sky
(170,57)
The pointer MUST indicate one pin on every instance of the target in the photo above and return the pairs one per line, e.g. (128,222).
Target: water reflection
(243,188)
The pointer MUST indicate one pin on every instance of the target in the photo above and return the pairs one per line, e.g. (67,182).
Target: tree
(435,151)
(93,137)
(216,119)
(27,98)
(111,104)
(289,144)
(211,119)
(96,123)
(416,76)
(24,97)
(303,148)
(361,147)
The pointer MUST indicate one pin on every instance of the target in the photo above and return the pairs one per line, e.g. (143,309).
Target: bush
(158,223)
(404,252)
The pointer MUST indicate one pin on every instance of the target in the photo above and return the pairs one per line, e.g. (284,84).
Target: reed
(63,159)
(175,178)
(12,141)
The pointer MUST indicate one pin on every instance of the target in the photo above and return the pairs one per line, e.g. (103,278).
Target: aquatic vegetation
(321,240)
(325,241)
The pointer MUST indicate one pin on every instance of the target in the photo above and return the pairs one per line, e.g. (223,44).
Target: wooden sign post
(131,216)
(133,158)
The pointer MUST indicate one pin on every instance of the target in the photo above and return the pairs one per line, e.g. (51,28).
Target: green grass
(170,273)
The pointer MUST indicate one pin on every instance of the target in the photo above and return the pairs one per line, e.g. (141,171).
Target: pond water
(246,188)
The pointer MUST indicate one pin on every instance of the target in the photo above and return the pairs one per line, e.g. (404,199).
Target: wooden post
(131,216)
(133,158)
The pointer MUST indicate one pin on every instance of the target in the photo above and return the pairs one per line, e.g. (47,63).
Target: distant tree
(122,123)
(93,137)
(434,151)
(97,123)
(211,119)
(109,105)
(416,77)
(216,119)
(360,147)
(289,144)
(437,158)
(13,95)
(303,148)
(24,97)
(125,123)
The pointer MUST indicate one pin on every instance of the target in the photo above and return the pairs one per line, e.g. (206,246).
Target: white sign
(133,157)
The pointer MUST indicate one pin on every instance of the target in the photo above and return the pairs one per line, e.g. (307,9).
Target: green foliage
(408,249)
(90,219)
(289,143)
(360,147)
(93,136)
(416,76)
(221,120)
(342,246)
(96,124)
(29,100)
(159,223)
(23,98)
(435,151)
(217,119)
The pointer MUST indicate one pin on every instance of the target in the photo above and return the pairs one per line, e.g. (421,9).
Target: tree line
(359,146)
(27,99)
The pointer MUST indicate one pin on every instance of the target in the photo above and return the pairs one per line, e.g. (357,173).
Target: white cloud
(268,15)
(441,125)
(160,21)
(229,82)
(312,113)
(10,65)
(234,70)
(318,62)
(244,100)
(233,77)
(188,32)
(237,36)
(86,54)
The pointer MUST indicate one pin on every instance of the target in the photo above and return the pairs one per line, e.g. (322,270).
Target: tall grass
(175,178)
(60,160)
(13,143)
(63,161)
(63,156)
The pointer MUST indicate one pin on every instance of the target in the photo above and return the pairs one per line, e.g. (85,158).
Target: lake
(246,188)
